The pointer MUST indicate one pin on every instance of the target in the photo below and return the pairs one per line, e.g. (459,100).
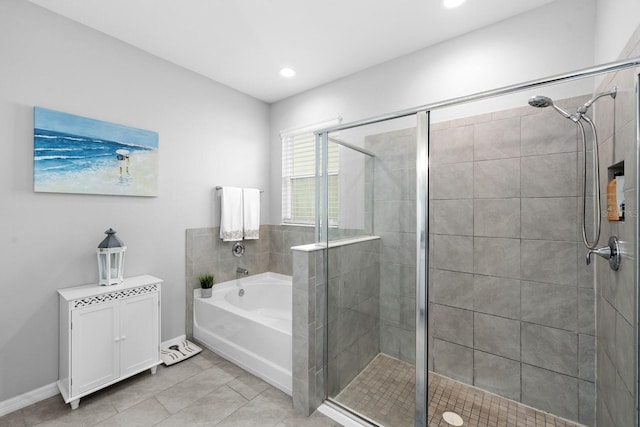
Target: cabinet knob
(122,338)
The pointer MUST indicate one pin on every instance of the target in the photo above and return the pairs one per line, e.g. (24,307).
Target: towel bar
(220,188)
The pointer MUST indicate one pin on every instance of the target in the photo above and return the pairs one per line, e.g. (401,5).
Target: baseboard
(49,390)
(172,341)
(28,398)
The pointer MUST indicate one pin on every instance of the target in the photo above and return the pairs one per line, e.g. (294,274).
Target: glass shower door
(371,279)
(514,309)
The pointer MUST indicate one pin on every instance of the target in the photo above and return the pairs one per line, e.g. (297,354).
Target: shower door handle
(611,252)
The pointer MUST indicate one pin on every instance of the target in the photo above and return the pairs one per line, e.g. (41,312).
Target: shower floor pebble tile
(205,390)
(385,393)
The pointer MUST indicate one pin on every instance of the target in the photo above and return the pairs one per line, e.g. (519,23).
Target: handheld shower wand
(544,101)
(577,118)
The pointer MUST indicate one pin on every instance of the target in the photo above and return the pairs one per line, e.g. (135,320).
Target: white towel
(251,215)
(231,214)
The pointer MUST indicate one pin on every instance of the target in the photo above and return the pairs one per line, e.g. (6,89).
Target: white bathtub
(252,330)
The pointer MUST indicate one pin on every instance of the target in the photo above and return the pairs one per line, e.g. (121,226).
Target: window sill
(298,224)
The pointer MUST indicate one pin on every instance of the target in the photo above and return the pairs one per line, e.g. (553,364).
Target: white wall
(616,21)
(537,44)
(209,135)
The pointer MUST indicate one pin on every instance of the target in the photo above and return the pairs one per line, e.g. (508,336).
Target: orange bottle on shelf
(612,203)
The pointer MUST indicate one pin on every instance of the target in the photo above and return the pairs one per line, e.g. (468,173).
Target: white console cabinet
(107,333)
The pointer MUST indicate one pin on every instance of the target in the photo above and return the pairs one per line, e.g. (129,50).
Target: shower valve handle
(611,252)
(604,252)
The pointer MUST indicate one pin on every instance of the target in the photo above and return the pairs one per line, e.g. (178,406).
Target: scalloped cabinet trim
(98,299)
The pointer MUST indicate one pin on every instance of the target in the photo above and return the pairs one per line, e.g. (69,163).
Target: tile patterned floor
(204,390)
(385,392)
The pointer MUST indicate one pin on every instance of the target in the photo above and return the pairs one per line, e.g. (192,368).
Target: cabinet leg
(75,404)
(154,370)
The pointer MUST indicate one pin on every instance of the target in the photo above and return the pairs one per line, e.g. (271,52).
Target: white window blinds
(298,175)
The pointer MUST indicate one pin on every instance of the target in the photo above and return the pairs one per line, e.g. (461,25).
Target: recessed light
(287,72)
(450,4)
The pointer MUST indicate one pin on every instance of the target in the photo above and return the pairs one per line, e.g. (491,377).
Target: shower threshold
(384,392)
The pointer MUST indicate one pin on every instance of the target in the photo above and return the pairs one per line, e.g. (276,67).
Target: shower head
(540,101)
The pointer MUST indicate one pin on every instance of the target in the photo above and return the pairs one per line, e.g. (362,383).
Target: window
(298,176)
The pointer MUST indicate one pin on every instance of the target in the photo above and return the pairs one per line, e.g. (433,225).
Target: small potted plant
(206,283)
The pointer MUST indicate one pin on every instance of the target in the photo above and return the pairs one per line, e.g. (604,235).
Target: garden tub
(248,321)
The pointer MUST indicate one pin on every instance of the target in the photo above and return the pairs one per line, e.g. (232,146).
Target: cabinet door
(139,338)
(94,346)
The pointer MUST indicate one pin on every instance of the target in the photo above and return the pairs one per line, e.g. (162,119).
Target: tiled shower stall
(512,301)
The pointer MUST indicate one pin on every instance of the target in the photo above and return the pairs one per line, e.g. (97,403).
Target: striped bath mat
(178,352)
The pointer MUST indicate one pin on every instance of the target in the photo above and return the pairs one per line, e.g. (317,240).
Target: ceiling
(244,43)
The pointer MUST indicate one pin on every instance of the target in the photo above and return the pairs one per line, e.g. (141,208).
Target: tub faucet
(241,272)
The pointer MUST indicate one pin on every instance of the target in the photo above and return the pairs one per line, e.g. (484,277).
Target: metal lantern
(111,260)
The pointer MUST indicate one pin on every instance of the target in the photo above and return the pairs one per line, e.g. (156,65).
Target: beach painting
(74,154)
